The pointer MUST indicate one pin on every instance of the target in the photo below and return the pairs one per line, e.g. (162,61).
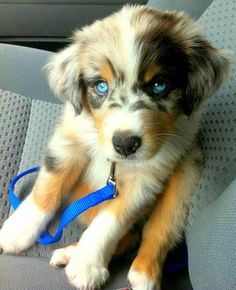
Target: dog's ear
(208,68)
(64,76)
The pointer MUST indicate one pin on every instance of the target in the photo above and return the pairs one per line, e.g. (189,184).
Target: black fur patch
(162,108)
(140,105)
(114,105)
(96,101)
(168,56)
(197,70)
(163,49)
(121,77)
(51,162)
(207,70)
(123,99)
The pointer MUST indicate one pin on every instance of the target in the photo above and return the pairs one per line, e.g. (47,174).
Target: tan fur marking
(159,125)
(80,191)
(164,226)
(51,187)
(106,72)
(120,206)
(151,71)
(100,122)
(168,120)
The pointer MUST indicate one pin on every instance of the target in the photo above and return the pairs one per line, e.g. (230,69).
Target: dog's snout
(126,144)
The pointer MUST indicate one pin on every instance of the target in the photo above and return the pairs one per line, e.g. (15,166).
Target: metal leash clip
(111,179)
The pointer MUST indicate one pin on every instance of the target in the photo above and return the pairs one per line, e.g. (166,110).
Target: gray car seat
(26,124)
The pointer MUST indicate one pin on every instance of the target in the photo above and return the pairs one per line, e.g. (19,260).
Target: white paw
(86,275)
(22,228)
(14,237)
(139,281)
(61,257)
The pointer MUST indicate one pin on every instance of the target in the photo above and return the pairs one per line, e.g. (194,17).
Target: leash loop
(72,211)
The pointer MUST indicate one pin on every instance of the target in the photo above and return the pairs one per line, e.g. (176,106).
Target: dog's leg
(87,268)
(61,257)
(164,227)
(25,225)
(23,228)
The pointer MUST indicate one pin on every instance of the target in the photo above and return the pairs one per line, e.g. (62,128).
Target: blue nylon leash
(73,210)
(14,200)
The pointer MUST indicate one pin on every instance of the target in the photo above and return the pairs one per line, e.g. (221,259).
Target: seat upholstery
(22,71)
(211,228)
(218,122)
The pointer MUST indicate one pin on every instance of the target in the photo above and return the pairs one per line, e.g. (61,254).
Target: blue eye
(101,88)
(159,87)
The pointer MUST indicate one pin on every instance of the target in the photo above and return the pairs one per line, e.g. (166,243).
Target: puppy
(134,85)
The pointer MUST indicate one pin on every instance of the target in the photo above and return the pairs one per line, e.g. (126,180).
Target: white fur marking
(139,281)
(62,256)
(88,265)
(22,228)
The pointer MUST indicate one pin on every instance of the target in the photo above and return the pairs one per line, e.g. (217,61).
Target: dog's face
(136,72)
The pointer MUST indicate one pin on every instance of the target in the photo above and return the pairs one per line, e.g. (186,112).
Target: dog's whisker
(170,149)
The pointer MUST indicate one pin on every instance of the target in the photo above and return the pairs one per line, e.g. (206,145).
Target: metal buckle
(111,179)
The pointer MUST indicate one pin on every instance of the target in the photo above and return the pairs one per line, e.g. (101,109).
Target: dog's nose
(126,144)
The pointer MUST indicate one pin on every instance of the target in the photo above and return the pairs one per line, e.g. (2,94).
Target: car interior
(31,31)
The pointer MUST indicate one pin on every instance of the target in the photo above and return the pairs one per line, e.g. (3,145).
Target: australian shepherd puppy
(134,85)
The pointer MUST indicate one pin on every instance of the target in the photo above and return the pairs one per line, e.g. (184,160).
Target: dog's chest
(96,173)
(138,189)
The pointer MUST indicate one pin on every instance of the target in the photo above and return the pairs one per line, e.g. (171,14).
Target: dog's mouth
(123,158)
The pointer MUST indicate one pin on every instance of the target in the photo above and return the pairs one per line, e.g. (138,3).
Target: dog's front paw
(139,281)
(61,257)
(22,228)
(12,239)
(86,275)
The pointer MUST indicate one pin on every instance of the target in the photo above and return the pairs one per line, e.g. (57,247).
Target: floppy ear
(208,68)
(64,76)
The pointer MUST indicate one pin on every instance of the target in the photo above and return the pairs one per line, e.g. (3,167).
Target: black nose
(126,144)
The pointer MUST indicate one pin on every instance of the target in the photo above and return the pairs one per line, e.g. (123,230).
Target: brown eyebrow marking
(112,67)
(107,71)
(151,71)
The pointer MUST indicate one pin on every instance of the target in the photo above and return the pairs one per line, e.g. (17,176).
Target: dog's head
(136,72)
